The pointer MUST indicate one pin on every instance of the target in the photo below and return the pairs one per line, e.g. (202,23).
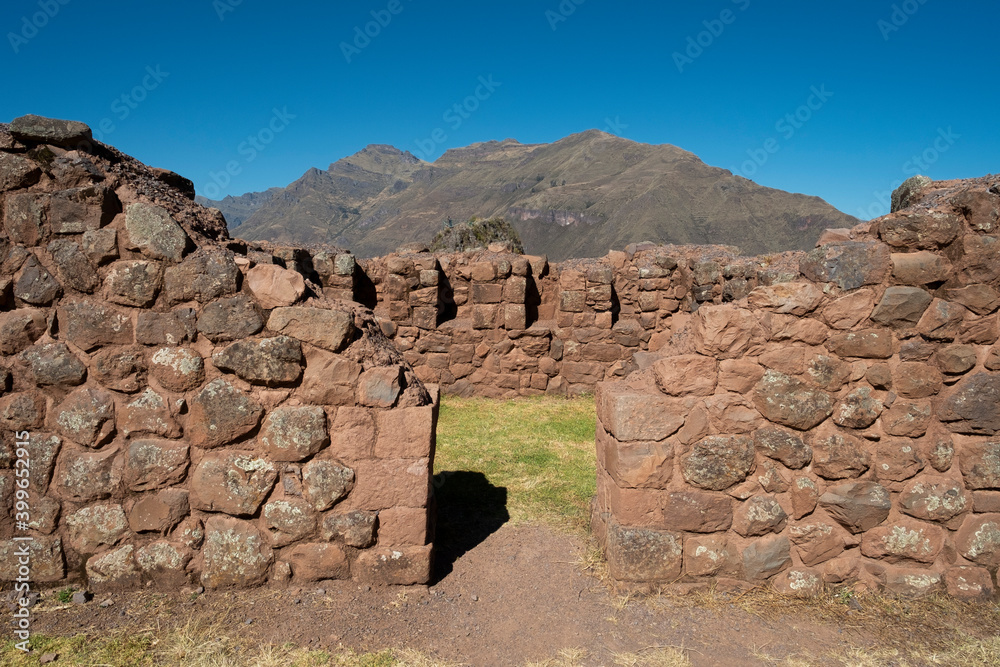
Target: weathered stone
(317,562)
(22,411)
(78,210)
(288,520)
(328,329)
(904,540)
(817,541)
(74,269)
(859,409)
(790,402)
(385,483)
(838,455)
(228,319)
(863,344)
(920,268)
(325,483)
(783,446)
(352,433)
(787,298)
(629,414)
(158,512)
(220,413)
(41,130)
(355,528)
(706,556)
(973,406)
(148,413)
(151,230)
(980,463)
(943,321)
(726,332)
(697,511)
(766,557)
(329,379)
(82,476)
(934,499)
(235,553)
(100,245)
(133,283)
(758,516)
(643,554)
(920,231)
(174,328)
(973,584)
(938,447)
(897,460)
(849,264)
(36,286)
(849,310)
(718,462)
(87,417)
(115,569)
(403,526)
(270,361)
(637,464)
(120,369)
(909,192)
(800,582)
(913,379)
(858,506)
(54,364)
(805,495)
(97,526)
(154,464)
(686,375)
(956,359)
(907,419)
(202,277)
(232,482)
(980,299)
(164,563)
(739,376)
(19,329)
(17,171)
(92,324)
(44,553)
(177,369)
(979,539)
(274,286)
(381,386)
(406,433)
(912,582)
(399,566)
(294,433)
(901,306)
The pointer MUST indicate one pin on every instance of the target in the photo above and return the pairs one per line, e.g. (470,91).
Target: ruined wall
(176,407)
(842,428)
(494,324)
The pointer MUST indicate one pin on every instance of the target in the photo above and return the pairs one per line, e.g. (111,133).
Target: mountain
(578,197)
(238,209)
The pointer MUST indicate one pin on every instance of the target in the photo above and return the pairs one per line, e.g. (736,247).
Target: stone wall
(177,408)
(841,428)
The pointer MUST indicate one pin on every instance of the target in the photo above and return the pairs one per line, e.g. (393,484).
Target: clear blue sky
(896,80)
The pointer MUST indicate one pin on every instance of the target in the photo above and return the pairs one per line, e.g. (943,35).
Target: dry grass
(654,656)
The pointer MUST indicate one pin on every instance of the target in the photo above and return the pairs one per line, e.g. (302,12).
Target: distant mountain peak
(580,196)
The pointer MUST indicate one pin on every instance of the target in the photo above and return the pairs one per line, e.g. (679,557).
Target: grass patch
(541,450)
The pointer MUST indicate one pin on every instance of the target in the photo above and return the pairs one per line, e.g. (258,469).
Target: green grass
(540,449)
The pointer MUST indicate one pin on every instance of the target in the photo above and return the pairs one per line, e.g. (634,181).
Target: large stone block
(275,286)
(235,553)
(919,231)
(44,553)
(980,463)
(838,455)
(718,462)
(220,413)
(401,566)
(294,433)
(270,361)
(151,230)
(630,414)
(643,554)
(316,562)
(54,364)
(904,540)
(637,464)
(901,307)
(154,464)
(818,541)
(232,482)
(158,512)
(232,318)
(790,402)
(82,476)
(849,264)
(758,516)
(973,406)
(405,433)
(325,483)
(133,283)
(726,332)
(787,298)
(96,526)
(87,417)
(863,344)
(19,329)
(691,374)
(328,329)
(766,557)
(979,539)
(289,520)
(203,276)
(385,483)
(92,324)
(858,506)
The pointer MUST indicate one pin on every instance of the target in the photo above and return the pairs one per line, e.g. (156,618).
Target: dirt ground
(518,596)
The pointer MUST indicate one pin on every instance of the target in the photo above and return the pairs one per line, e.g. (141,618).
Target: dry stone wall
(838,428)
(177,408)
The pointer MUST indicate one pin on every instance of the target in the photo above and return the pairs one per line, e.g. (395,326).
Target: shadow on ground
(469,509)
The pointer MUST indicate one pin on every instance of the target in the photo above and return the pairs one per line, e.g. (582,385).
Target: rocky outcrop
(188,407)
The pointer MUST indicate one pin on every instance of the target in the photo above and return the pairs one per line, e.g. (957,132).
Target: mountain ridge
(577,197)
